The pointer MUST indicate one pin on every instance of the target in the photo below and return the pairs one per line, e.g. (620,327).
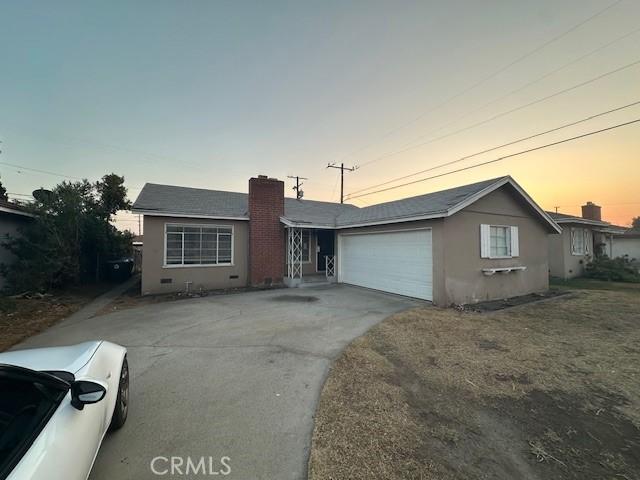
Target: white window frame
(513,241)
(198,265)
(585,235)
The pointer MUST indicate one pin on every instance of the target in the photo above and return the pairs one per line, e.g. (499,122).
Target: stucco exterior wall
(9,225)
(205,277)
(556,255)
(562,263)
(464,279)
(457,265)
(626,246)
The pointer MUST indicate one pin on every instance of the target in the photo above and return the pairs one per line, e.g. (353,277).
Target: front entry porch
(310,256)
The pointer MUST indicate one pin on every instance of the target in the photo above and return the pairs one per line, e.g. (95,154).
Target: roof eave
(17,212)
(157,213)
(500,183)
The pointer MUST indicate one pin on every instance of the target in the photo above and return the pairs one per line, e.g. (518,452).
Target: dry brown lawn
(548,390)
(21,318)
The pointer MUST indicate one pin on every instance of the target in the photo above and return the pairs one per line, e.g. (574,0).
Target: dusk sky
(209,93)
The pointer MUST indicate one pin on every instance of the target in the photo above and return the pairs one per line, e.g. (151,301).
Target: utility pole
(299,193)
(342,168)
(557,208)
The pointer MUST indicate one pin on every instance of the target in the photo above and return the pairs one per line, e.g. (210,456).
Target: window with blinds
(198,245)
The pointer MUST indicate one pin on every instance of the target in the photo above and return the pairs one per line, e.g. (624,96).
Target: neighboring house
(12,217)
(625,244)
(582,238)
(477,242)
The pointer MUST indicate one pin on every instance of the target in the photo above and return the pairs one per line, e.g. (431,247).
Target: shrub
(612,269)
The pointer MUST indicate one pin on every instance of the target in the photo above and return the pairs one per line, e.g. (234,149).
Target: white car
(56,404)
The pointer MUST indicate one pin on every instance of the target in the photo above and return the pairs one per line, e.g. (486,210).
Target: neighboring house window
(499,241)
(198,245)
(580,241)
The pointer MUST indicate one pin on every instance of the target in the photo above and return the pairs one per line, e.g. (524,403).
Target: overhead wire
(504,157)
(486,78)
(512,142)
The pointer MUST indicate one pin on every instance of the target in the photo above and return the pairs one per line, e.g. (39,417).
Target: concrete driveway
(235,375)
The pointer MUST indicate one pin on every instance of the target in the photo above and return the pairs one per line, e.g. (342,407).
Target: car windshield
(25,406)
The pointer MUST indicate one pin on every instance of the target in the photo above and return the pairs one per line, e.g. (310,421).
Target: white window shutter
(573,241)
(515,242)
(485,241)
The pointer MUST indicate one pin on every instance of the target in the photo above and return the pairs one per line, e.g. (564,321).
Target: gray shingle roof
(313,212)
(172,200)
(565,218)
(422,205)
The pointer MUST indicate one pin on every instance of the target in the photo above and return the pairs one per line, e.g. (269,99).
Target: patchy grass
(583,283)
(539,391)
(21,318)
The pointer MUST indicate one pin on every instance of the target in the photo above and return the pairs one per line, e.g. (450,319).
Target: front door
(325,247)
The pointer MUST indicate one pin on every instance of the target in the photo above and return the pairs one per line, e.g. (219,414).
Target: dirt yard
(547,390)
(21,318)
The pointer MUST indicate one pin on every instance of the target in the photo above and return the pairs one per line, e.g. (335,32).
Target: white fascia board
(293,224)
(519,189)
(393,220)
(17,212)
(154,213)
(585,221)
(372,223)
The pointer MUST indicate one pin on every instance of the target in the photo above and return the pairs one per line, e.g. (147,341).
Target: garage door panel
(396,262)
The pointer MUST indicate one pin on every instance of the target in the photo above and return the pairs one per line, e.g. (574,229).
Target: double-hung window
(499,241)
(198,245)
(581,239)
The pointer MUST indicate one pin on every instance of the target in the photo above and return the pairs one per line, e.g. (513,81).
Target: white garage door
(396,262)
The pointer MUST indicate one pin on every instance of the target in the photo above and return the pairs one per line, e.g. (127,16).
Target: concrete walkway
(97,304)
(235,376)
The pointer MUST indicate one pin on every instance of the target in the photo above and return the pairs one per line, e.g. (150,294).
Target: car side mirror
(84,392)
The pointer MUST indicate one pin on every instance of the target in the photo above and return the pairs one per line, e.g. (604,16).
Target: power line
(19,169)
(485,79)
(46,172)
(523,87)
(67,140)
(500,158)
(466,157)
(507,112)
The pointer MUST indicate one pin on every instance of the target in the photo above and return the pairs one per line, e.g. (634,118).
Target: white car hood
(69,359)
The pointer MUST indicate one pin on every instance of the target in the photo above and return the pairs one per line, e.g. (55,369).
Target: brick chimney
(591,211)
(266,233)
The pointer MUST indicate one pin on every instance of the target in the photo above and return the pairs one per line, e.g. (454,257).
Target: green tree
(70,236)
(3,192)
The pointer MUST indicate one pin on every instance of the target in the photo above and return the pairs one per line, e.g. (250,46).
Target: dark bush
(612,269)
